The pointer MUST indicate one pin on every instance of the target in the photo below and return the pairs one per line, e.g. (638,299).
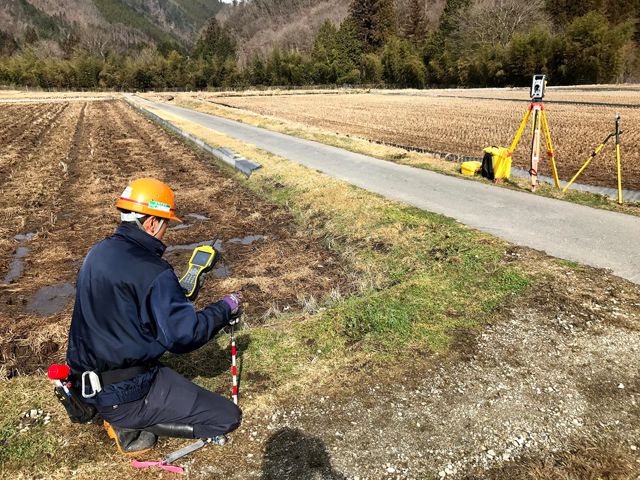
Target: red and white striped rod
(233,367)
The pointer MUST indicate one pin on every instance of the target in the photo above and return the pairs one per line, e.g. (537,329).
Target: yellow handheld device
(202,260)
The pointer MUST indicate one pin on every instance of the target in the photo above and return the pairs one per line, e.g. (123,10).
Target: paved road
(573,232)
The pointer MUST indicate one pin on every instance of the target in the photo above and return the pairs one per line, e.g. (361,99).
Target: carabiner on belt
(94,381)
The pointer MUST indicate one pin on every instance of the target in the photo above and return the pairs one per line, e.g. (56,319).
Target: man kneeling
(129,310)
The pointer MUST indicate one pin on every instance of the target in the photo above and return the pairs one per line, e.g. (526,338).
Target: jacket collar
(134,234)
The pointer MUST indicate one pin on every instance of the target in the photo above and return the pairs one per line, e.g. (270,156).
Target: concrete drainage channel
(227,155)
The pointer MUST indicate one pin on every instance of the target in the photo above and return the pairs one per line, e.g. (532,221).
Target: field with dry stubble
(60,164)
(440,121)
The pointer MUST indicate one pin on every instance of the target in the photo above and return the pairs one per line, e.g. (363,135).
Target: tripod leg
(535,151)
(547,141)
(520,130)
(618,159)
(597,150)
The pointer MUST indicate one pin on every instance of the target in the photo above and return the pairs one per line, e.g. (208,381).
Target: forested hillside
(121,24)
(403,43)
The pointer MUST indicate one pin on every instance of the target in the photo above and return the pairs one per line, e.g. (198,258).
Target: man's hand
(234,303)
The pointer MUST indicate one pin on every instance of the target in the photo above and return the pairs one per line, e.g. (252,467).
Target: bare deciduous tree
(496,21)
(95,41)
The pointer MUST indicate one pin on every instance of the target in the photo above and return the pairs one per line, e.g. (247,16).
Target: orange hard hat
(149,197)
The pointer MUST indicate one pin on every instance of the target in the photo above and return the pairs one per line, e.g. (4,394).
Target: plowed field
(465,126)
(62,168)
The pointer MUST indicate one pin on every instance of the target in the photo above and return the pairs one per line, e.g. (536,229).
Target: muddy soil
(62,168)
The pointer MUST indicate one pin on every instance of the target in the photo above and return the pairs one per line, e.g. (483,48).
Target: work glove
(234,304)
(201,278)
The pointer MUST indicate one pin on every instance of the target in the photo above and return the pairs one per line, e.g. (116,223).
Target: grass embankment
(417,278)
(397,155)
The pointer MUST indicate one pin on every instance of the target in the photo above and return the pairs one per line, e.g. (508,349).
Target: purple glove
(234,304)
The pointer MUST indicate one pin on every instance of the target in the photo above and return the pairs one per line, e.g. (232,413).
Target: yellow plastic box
(471,168)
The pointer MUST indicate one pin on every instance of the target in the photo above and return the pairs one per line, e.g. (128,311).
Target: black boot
(131,441)
(175,430)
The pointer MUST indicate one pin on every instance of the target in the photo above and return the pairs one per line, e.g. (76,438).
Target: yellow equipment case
(501,162)
(471,168)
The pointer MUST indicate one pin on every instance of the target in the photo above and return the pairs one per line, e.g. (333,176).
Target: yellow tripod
(539,120)
(616,134)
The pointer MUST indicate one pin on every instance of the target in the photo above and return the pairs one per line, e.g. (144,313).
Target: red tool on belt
(70,397)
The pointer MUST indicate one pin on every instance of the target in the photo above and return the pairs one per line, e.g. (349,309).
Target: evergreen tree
(8,44)
(360,11)
(416,26)
(384,23)
(325,43)
(348,52)
(214,40)
(376,21)
(594,49)
(324,53)
(529,54)
(563,12)
(273,68)
(87,70)
(30,36)
(257,74)
(165,48)
(69,44)
(450,18)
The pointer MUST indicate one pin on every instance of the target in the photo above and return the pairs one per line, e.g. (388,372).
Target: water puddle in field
(51,300)
(23,237)
(16,266)
(248,240)
(222,271)
(217,246)
(180,226)
(197,216)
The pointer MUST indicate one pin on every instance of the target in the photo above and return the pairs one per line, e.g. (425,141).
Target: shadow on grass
(290,454)
(210,360)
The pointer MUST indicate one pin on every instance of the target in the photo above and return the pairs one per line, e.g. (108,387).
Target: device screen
(201,259)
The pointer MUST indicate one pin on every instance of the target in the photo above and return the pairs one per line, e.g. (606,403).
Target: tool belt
(71,396)
(96,380)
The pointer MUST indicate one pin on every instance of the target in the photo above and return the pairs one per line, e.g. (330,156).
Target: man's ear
(149,225)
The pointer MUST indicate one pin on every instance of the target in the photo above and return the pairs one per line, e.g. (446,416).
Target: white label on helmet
(127,193)
(163,207)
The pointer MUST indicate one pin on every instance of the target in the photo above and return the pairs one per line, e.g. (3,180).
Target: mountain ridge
(124,23)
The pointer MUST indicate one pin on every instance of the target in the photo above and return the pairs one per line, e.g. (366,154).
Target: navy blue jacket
(129,310)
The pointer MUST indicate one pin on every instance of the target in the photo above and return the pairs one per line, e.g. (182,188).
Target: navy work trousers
(174,399)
